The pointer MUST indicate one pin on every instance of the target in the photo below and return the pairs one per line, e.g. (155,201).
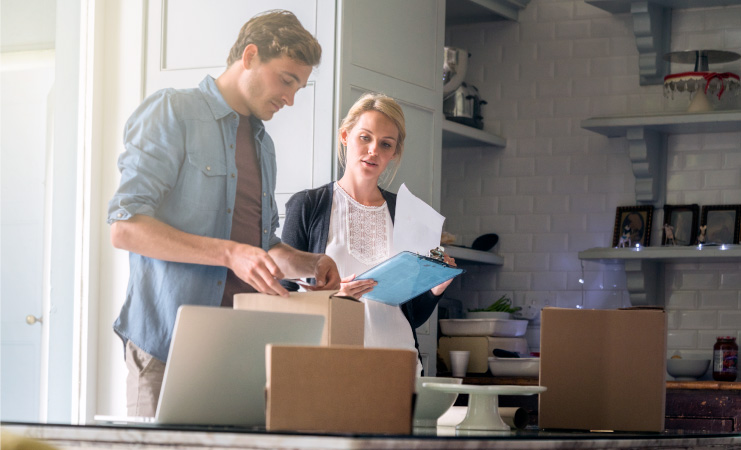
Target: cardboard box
(340,389)
(603,369)
(480,348)
(344,316)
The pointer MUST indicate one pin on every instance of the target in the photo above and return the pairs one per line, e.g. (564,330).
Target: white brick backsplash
(553,190)
(573,30)
(697,161)
(681,339)
(722,178)
(684,180)
(568,223)
(578,68)
(499,186)
(730,319)
(681,300)
(698,320)
(570,184)
(550,204)
(731,197)
(719,300)
(591,48)
(515,243)
(534,185)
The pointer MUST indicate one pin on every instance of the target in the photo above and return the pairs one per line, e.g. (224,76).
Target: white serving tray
(483,327)
(513,367)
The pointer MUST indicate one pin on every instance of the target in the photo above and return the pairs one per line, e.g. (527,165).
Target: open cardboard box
(344,316)
(603,369)
(339,389)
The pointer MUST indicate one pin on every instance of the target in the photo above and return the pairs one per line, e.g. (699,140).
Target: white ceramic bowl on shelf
(514,367)
(683,369)
(432,404)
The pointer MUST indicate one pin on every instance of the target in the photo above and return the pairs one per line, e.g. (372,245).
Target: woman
(351,220)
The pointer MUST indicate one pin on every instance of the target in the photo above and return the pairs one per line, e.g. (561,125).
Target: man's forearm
(150,237)
(294,263)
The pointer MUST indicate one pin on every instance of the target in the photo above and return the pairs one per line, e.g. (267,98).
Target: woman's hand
(440,288)
(355,289)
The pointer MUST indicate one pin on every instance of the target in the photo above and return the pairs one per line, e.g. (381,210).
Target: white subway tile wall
(552,192)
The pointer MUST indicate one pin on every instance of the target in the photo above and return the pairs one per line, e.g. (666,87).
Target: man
(196,207)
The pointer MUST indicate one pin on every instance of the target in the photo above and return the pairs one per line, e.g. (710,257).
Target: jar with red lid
(725,359)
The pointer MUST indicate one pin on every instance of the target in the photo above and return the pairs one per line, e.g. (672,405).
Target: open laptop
(215,373)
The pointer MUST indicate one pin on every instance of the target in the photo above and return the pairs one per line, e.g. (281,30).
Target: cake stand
(701,80)
(483,403)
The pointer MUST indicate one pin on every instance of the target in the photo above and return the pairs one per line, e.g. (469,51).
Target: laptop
(215,373)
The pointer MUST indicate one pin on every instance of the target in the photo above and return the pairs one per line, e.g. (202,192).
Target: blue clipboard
(405,276)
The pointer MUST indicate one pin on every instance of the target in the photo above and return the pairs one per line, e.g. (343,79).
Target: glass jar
(725,359)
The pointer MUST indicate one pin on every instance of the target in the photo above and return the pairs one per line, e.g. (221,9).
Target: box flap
(604,369)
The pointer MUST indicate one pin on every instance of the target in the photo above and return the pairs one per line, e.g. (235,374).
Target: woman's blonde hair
(374,101)
(277,33)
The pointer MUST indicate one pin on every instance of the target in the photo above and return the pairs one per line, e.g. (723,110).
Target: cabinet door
(189,39)
(396,47)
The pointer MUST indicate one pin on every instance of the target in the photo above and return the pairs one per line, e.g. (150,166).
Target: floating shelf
(475,11)
(467,254)
(652,23)
(644,274)
(646,136)
(459,135)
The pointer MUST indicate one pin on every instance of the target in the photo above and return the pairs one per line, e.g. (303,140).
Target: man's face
(268,86)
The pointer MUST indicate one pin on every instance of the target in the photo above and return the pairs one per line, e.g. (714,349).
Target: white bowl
(488,315)
(483,327)
(514,367)
(431,404)
(687,369)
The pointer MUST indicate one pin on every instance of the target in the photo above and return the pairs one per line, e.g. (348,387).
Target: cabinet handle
(31,319)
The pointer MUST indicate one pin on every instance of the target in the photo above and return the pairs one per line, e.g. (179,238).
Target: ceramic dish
(483,327)
(514,367)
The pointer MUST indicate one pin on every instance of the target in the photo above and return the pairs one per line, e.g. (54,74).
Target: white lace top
(359,238)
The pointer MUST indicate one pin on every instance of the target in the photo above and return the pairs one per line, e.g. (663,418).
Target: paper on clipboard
(417,226)
(405,276)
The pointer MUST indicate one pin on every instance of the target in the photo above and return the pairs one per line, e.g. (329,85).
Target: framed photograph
(680,224)
(721,224)
(632,226)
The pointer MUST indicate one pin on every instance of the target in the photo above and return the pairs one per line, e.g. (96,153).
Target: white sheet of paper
(417,226)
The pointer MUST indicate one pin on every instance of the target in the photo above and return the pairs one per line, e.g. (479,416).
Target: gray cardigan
(306,227)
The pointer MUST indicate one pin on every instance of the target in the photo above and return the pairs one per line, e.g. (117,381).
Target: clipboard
(405,276)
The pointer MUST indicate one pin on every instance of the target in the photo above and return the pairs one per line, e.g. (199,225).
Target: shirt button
(264,194)
(233,175)
(228,210)
(265,231)
(120,215)
(218,283)
(231,146)
(208,167)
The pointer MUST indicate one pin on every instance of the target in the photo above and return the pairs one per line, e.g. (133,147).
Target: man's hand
(326,274)
(255,267)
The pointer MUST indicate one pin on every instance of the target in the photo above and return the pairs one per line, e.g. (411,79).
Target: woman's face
(371,145)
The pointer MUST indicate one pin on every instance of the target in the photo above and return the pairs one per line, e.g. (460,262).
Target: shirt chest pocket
(203,183)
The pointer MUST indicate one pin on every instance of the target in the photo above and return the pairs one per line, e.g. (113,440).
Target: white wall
(553,190)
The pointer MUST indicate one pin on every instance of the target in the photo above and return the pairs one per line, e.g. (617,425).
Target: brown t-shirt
(247,206)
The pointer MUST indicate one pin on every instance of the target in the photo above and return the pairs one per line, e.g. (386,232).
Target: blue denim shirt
(179,167)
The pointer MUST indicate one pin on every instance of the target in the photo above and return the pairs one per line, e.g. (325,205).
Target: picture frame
(684,222)
(722,223)
(632,226)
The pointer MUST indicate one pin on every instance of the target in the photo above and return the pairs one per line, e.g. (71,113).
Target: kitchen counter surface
(113,437)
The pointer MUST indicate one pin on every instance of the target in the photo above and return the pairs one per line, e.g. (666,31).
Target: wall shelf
(644,274)
(477,256)
(646,136)
(475,11)
(652,24)
(459,135)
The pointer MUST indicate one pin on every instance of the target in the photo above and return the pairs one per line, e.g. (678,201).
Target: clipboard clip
(437,253)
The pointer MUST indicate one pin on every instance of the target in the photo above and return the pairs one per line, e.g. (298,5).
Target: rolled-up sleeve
(154,151)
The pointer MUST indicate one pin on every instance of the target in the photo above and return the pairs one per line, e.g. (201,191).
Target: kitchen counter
(148,437)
